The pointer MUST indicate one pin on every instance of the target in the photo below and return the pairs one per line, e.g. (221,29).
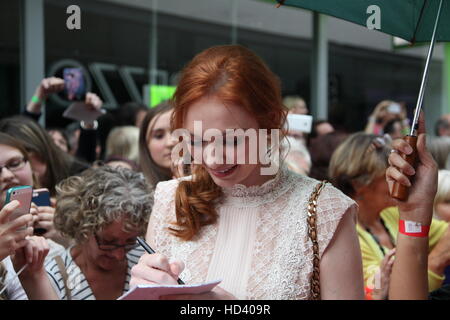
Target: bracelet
(83,125)
(413,229)
(35,99)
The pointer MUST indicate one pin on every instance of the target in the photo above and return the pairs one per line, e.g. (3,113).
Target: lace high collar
(242,191)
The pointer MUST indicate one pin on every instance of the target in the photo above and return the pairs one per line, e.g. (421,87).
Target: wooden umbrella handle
(399,191)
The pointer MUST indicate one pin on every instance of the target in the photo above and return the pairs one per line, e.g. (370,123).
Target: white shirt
(259,245)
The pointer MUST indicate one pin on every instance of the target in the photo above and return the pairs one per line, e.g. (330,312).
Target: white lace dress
(259,246)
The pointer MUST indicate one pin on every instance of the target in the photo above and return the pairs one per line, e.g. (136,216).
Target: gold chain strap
(312,233)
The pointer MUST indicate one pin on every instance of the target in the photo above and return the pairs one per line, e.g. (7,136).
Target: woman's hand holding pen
(156,269)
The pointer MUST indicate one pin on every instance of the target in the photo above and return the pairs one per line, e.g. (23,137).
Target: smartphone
(41,198)
(74,84)
(394,108)
(299,122)
(23,194)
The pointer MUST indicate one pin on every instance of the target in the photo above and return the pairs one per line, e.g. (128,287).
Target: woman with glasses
(358,168)
(103,210)
(14,171)
(17,171)
(17,245)
(48,163)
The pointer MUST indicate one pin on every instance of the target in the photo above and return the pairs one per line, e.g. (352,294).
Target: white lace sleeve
(332,205)
(163,214)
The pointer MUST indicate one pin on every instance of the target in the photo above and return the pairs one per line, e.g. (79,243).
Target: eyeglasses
(14,165)
(112,247)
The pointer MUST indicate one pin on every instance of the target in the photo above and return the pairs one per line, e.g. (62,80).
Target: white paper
(79,111)
(153,292)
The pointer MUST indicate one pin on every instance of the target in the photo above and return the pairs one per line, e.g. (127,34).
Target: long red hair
(235,75)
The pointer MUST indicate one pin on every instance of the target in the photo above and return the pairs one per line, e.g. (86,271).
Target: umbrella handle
(400,191)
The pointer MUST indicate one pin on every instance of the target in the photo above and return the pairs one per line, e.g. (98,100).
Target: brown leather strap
(62,269)
(312,233)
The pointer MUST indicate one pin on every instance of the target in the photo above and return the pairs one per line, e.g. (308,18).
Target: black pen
(151,251)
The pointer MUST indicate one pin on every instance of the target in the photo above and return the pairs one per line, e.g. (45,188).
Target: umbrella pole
(400,191)
(414,126)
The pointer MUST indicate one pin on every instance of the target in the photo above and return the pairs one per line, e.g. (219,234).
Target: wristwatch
(87,126)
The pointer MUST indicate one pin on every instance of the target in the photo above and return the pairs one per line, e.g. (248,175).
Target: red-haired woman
(234,220)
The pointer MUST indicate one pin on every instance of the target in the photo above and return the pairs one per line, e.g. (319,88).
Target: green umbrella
(412,20)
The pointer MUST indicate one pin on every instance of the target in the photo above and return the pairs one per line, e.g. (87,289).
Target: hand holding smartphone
(74,84)
(41,198)
(23,194)
(13,232)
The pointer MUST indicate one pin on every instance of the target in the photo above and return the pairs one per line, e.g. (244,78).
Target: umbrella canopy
(412,20)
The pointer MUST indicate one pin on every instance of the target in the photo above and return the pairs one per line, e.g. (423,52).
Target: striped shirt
(77,282)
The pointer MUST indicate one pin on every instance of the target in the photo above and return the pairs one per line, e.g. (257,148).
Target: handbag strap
(312,233)
(62,270)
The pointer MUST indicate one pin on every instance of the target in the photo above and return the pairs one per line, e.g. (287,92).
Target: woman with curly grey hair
(103,211)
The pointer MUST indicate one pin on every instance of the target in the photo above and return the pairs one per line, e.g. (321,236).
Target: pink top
(259,246)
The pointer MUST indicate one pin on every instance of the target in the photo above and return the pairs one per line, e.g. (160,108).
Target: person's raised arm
(43,90)
(409,278)
(88,136)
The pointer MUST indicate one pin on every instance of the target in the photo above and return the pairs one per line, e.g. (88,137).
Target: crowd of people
(279,235)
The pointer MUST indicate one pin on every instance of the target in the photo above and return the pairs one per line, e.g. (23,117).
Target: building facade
(124,45)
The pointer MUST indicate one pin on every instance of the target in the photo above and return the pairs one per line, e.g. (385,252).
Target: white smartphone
(394,108)
(299,122)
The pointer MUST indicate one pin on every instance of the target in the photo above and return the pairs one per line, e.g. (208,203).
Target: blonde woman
(442,199)
(440,149)
(442,205)
(384,112)
(123,142)
(358,169)
(295,104)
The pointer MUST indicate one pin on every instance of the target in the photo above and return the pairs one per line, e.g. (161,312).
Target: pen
(151,251)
